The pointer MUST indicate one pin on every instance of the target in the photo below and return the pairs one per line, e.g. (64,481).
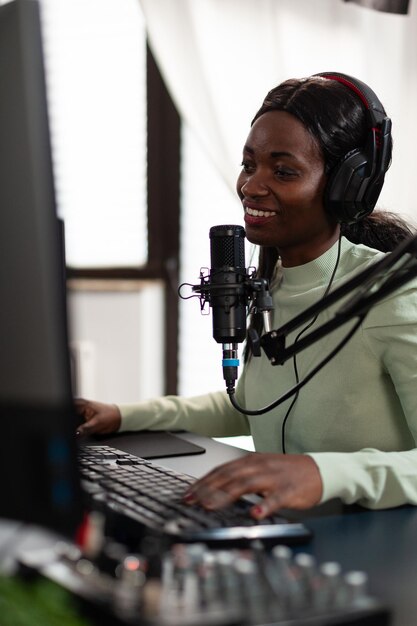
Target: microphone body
(228,294)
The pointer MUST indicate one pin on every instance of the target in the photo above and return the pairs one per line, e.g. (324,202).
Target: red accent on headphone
(378,139)
(346,82)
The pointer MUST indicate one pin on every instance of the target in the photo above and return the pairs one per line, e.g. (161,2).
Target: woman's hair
(335,117)
(381,230)
(331,112)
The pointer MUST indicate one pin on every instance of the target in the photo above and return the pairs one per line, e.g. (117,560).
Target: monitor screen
(38,475)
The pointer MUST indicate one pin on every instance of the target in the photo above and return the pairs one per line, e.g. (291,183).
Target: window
(95,58)
(115,144)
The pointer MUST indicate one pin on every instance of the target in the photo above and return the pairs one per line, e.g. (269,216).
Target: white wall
(117,335)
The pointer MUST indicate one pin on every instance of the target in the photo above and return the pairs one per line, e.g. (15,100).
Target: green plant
(36,601)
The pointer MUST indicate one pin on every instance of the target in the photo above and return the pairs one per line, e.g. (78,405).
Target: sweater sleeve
(375,478)
(370,477)
(210,414)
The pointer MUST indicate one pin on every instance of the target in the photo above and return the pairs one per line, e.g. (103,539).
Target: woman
(351,431)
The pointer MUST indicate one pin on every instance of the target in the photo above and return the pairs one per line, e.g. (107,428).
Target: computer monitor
(38,474)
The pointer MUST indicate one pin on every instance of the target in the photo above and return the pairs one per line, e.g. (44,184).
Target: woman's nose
(254,185)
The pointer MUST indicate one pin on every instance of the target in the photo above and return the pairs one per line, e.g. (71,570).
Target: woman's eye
(246,166)
(283,173)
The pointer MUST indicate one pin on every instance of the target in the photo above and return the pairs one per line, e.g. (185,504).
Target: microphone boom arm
(273,342)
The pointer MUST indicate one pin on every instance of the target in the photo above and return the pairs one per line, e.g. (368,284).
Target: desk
(381,543)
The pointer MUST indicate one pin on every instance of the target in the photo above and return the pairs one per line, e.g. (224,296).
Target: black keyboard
(150,496)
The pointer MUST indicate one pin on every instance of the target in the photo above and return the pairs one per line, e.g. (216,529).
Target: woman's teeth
(256,213)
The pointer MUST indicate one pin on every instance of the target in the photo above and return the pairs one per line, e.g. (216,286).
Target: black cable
(294,359)
(303,382)
(299,384)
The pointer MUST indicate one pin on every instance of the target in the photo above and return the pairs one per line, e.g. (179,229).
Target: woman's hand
(285,481)
(100,418)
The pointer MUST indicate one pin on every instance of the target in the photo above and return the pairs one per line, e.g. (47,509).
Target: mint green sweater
(357,418)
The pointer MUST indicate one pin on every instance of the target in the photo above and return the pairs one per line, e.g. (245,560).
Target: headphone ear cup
(355,183)
(344,196)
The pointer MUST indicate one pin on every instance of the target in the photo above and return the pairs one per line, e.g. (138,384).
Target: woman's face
(281,187)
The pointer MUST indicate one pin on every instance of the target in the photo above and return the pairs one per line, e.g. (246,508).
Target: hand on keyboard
(285,481)
(148,498)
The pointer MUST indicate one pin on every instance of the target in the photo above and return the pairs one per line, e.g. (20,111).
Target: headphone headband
(362,90)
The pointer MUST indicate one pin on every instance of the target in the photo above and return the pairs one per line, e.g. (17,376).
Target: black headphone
(355,183)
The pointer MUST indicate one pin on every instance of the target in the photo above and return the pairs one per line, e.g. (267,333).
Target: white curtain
(220,57)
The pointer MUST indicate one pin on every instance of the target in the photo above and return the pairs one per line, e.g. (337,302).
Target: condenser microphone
(228,294)
(228,287)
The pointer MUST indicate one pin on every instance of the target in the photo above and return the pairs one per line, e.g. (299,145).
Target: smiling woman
(315,157)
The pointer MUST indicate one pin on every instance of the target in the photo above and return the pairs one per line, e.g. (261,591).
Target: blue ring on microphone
(230,362)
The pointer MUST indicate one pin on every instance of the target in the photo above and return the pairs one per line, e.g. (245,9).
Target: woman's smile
(257,215)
